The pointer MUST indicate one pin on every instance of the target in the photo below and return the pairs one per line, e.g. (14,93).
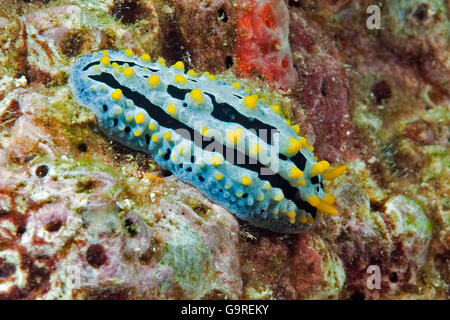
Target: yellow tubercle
(294,145)
(260,198)
(216,160)
(278,197)
(104,60)
(179,65)
(171,109)
(319,168)
(180,79)
(234,136)
(145,57)
(191,73)
(219,176)
(128,72)
(137,132)
(296,172)
(291,214)
(139,118)
(303,219)
(197,96)
(154,80)
(114,64)
(128,53)
(167,135)
(310,220)
(332,174)
(267,186)
(251,101)
(152,126)
(105,52)
(276,108)
(174,158)
(313,200)
(254,149)
(162,61)
(302,182)
(116,94)
(246,181)
(155,138)
(296,128)
(236,85)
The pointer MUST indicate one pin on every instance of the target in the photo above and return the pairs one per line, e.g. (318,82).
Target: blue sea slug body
(209,132)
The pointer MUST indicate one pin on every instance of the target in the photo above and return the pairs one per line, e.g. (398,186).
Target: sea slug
(210,132)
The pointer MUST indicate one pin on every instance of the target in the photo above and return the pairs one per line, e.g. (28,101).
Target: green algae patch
(190,260)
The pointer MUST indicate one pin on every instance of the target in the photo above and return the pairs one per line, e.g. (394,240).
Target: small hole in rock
(228,62)
(53,226)
(393,277)
(82,147)
(127,129)
(42,171)
(105,107)
(222,15)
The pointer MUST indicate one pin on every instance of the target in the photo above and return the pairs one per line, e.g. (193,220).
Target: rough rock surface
(84,218)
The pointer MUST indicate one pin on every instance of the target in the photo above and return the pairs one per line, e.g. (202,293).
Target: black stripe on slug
(131,64)
(160,116)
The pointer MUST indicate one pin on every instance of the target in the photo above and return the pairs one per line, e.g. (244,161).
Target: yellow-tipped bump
(302,182)
(219,177)
(251,101)
(326,208)
(197,96)
(246,181)
(137,132)
(291,214)
(116,94)
(152,126)
(104,60)
(139,118)
(154,80)
(234,136)
(294,145)
(296,128)
(114,64)
(162,61)
(128,72)
(313,200)
(179,65)
(191,73)
(332,174)
(216,160)
(105,52)
(236,85)
(254,149)
(155,138)
(303,219)
(128,53)
(260,198)
(310,220)
(296,173)
(145,57)
(278,197)
(319,168)
(167,135)
(171,108)
(212,77)
(276,108)
(180,79)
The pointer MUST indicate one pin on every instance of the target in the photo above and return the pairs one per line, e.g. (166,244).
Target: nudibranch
(212,133)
